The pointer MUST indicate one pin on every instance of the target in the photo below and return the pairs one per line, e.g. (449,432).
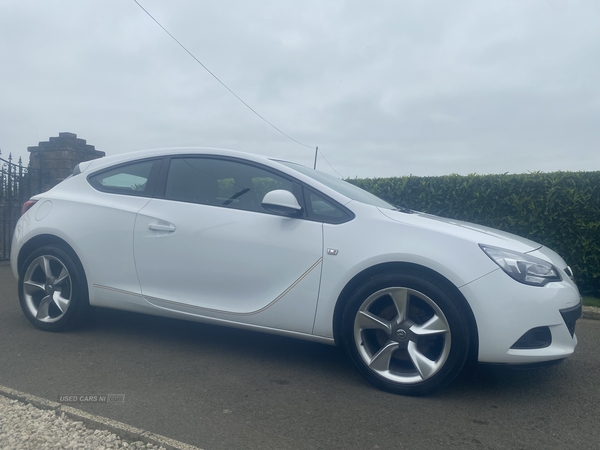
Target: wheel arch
(411,268)
(39,241)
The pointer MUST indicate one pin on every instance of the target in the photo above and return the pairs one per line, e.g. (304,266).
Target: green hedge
(560,210)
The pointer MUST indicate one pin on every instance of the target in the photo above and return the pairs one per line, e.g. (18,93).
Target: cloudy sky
(384,88)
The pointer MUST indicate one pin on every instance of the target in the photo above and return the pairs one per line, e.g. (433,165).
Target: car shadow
(196,337)
(475,381)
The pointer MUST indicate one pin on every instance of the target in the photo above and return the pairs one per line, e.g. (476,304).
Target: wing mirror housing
(281,202)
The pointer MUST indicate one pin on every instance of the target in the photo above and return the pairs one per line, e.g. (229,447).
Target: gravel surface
(23,426)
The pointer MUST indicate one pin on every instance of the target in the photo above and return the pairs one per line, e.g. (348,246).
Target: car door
(102,225)
(210,249)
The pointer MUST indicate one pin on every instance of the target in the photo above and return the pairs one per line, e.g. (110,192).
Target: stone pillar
(52,161)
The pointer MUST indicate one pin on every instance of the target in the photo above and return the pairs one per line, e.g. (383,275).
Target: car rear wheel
(405,333)
(53,289)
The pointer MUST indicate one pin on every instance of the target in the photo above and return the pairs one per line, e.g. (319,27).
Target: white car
(240,240)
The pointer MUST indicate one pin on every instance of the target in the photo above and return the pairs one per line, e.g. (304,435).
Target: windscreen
(341,186)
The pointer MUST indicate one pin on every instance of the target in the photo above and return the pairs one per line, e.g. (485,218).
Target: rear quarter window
(132,178)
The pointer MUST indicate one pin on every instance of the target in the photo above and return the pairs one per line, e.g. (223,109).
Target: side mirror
(281,202)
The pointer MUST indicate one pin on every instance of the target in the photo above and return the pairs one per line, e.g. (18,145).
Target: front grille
(570,317)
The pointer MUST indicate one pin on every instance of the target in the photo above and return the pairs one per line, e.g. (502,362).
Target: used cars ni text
(241,240)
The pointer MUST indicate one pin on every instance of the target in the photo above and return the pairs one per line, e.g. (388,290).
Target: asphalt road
(220,388)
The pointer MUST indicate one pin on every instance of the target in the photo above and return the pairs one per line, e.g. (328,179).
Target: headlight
(522,267)
(569,272)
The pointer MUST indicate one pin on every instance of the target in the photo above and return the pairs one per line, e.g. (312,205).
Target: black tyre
(405,333)
(53,289)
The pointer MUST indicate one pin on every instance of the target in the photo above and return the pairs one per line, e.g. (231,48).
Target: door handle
(161,227)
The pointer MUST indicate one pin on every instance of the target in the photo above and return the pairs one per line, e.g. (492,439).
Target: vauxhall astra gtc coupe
(240,240)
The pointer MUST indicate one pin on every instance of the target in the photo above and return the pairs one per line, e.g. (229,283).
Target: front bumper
(506,310)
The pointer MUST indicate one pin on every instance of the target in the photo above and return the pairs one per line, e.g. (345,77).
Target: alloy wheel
(47,289)
(402,335)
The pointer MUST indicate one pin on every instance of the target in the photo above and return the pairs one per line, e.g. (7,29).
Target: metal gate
(16,186)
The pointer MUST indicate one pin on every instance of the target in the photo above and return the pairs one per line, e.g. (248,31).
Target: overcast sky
(384,88)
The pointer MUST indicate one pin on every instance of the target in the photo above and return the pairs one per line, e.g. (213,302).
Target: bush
(560,210)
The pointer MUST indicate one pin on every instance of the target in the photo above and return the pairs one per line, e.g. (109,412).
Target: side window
(324,210)
(126,179)
(221,182)
(264,185)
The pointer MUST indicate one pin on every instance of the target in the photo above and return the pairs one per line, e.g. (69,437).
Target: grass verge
(591,301)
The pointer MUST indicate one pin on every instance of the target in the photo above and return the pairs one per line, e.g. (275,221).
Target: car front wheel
(53,289)
(405,333)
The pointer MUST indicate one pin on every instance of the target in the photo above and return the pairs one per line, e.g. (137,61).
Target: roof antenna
(316,152)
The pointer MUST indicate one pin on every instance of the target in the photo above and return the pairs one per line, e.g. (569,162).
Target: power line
(217,78)
(321,152)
